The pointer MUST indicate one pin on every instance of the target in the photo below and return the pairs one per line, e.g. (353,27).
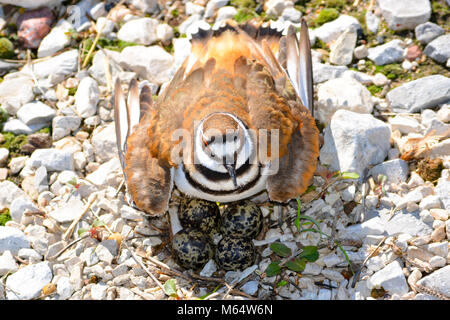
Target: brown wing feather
(149,179)
(296,169)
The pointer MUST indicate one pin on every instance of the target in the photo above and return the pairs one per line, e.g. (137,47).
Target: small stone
(19,206)
(56,40)
(342,94)
(54,70)
(52,159)
(427,32)
(430,202)
(404,124)
(64,288)
(4,153)
(152,63)
(63,125)
(361,52)
(291,14)
(15,91)
(438,234)
(439,280)
(33,26)
(438,262)
(372,22)
(438,49)
(27,282)
(250,287)
(164,32)
(342,49)
(333,275)
(419,94)
(405,14)
(7,263)
(439,214)
(396,171)
(368,146)
(330,31)
(68,211)
(98,291)
(439,249)
(87,97)
(391,278)
(387,53)
(141,31)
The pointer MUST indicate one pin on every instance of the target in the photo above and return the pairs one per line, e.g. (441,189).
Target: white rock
(360,231)
(7,263)
(15,91)
(18,207)
(372,22)
(57,68)
(151,63)
(404,124)
(68,211)
(387,53)
(361,52)
(147,6)
(438,280)
(98,291)
(430,202)
(63,125)
(391,278)
(405,14)
(36,113)
(323,72)
(419,94)
(291,14)
(192,8)
(332,30)
(52,159)
(64,288)
(105,26)
(333,275)
(212,6)
(396,171)
(27,282)
(342,94)
(342,49)
(8,193)
(250,287)
(140,31)
(108,174)
(276,7)
(438,49)
(227,12)
(209,268)
(164,32)
(354,141)
(87,97)
(380,79)
(312,269)
(104,142)
(102,60)
(56,40)
(439,248)
(4,153)
(437,262)
(428,31)
(29,254)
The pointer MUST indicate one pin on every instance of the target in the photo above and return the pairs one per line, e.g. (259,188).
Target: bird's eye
(235,138)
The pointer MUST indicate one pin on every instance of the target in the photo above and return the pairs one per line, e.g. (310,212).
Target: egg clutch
(201,220)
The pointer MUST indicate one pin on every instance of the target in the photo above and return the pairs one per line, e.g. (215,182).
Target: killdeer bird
(243,89)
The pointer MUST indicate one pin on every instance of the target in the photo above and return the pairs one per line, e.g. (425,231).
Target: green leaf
(280,249)
(310,253)
(297,220)
(282,283)
(297,265)
(81,231)
(273,269)
(98,223)
(170,288)
(349,175)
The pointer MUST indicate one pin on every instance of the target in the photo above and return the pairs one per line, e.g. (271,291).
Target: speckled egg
(235,253)
(242,220)
(199,214)
(192,248)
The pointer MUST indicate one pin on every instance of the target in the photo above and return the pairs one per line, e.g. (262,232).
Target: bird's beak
(231,168)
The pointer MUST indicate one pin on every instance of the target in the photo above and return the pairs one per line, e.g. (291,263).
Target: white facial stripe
(216,163)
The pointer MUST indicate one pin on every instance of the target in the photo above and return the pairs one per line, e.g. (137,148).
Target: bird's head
(222,143)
